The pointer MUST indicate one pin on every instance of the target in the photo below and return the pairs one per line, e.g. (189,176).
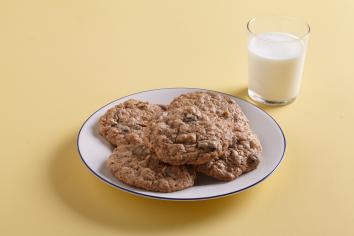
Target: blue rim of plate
(180,199)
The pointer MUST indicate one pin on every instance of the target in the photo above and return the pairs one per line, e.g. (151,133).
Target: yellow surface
(61,60)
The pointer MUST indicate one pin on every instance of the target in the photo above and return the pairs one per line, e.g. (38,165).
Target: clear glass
(276,54)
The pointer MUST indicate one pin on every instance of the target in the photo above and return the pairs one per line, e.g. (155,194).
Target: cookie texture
(241,157)
(186,135)
(137,166)
(212,104)
(244,147)
(124,123)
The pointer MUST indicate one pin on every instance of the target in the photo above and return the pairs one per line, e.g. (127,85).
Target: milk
(275,66)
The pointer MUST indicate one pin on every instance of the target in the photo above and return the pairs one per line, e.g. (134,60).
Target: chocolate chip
(233,142)
(253,160)
(207,145)
(186,138)
(123,128)
(190,118)
(226,114)
(171,172)
(142,106)
(137,127)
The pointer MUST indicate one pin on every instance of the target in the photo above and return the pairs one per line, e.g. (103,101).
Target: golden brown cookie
(186,135)
(124,123)
(212,104)
(244,147)
(137,166)
(241,157)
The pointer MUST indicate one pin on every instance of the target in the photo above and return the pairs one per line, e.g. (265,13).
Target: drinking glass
(276,54)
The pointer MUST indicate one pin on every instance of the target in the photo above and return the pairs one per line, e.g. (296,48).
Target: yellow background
(61,60)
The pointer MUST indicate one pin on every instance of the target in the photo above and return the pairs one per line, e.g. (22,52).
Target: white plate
(94,150)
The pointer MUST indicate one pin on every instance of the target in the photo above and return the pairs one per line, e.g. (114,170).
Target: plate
(94,150)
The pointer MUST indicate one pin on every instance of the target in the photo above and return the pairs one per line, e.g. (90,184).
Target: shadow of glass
(242,92)
(90,198)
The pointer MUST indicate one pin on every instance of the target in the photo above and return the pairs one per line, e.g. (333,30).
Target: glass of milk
(276,55)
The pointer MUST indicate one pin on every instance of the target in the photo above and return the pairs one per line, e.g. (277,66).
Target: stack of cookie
(162,148)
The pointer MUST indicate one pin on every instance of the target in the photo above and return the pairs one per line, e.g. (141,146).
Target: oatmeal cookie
(186,135)
(137,166)
(213,104)
(124,123)
(241,157)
